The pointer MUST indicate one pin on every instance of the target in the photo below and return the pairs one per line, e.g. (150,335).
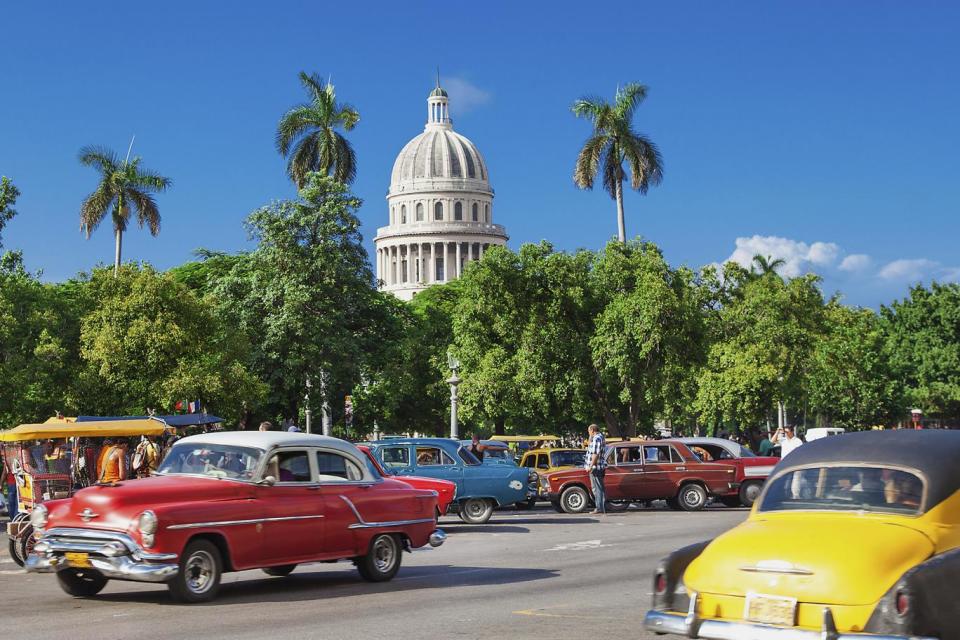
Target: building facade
(440,207)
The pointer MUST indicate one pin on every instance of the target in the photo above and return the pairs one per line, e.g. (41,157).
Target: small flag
(179,406)
(194,406)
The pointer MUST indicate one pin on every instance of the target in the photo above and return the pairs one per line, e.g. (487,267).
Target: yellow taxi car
(547,460)
(856,536)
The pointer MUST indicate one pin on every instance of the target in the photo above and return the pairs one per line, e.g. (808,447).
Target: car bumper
(691,626)
(115,555)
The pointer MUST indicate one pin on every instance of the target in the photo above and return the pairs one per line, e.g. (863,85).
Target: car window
(289,466)
(567,458)
(333,467)
(221,461)
(395,456)
(845,488)
(675,455)
(543,461)
(468,457)
(656,453)
(428,456)
(629,455)
(529,461)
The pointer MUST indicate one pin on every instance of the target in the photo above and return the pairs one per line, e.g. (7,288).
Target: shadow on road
(306,585)
(493,527)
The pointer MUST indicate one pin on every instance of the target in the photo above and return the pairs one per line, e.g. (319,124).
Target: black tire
(81,583)
(730,501)
(382,560)
(618,506)
(673,504)
(14,553)
(692,497)
(280,572)
(198,579)
(526,505)
(749,492)
(575,500)
(556,507)
(476,510)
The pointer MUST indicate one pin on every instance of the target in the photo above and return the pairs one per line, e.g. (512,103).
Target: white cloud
(798,256)
(464,95)
(856,262)
(905,269)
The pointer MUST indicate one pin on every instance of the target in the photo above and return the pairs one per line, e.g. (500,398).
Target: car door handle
(313,488)
(681,468)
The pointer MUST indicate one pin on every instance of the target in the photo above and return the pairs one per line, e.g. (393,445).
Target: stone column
(423,263)
(458,259)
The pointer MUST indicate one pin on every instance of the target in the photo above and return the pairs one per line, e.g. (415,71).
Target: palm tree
(613,142)
(764,265)
(124,187)
(310,130)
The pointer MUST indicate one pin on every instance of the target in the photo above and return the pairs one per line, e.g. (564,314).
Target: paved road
(532,574)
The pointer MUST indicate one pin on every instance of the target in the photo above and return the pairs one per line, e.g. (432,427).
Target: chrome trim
(792,571)
(119,568)
(662,622)
(437,538)
(363,524)
(87,515)
(233,523)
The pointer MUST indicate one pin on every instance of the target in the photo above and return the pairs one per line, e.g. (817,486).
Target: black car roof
(933,452)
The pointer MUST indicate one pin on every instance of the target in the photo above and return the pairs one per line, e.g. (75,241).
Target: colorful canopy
(99,429)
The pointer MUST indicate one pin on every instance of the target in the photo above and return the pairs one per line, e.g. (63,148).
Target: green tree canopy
(149,341)
(923,344)
(8,197)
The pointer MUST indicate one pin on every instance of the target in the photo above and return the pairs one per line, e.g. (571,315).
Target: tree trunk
(621,223)
(500,426)
(116,258)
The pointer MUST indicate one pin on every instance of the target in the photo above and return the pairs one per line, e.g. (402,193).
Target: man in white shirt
(787,440)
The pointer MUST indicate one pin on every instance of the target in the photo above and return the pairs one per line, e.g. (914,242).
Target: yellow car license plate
(771,609)
(78,560)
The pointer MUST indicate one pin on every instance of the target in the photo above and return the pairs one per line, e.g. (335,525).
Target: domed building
(441,208)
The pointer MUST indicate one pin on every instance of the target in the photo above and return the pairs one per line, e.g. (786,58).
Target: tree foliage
(8,197)
(923,345)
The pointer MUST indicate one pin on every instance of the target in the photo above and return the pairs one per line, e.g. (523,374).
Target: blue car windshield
(845,488)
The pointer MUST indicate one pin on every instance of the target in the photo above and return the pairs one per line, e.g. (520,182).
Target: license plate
(771,609)
(78,560)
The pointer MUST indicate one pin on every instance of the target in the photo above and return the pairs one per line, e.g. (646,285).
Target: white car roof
(268,439)
(729,445)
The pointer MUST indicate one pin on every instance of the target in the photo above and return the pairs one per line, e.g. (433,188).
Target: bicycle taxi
(52,460)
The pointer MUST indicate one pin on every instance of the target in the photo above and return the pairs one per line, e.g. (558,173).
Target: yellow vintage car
(856,536)
(549,459)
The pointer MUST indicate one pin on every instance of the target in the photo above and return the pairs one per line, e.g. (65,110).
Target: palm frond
(304,158)
(588,161)
(588,107)
(293,123)
(94,208)
(612,169)
(646,164)
(347,115)
(105,160)
(313,84)
(628,99)
(346,160)
(147,212)
(151,180)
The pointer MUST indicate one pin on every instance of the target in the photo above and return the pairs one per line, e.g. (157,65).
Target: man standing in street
(787,440)
(596,466)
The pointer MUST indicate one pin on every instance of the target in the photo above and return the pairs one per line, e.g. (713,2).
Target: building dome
(437,153)
(440,204)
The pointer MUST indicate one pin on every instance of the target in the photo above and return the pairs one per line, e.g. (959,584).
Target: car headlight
(147,524)
(38,517)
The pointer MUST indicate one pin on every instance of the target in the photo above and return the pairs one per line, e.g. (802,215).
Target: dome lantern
(438,108)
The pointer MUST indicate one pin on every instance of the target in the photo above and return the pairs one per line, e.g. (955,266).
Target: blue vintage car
(480,487)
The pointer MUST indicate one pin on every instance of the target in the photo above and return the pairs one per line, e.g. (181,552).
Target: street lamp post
(306,400)
(453,381)
(325,408)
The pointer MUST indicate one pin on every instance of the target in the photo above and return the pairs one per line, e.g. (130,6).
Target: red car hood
(116,507)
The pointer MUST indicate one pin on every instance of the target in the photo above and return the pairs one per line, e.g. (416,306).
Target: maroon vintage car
(641,472)
(751,470)
(232,501)
(446,490)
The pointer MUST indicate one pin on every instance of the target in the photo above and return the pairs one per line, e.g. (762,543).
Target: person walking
(596,466)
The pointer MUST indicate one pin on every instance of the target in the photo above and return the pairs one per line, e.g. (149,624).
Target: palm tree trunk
(116,259)
(621,223)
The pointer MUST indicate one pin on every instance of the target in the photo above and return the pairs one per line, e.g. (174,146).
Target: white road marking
(13,572)
(579,546)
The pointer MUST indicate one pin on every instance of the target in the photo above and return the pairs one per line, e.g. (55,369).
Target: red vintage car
(752,470)
(446,490)
(232,501)
(641,472)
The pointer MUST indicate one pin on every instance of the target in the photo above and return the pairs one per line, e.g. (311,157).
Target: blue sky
(823,132)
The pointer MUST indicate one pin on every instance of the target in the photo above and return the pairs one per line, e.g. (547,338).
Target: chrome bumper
(692,626)
(115,555)
(437,538)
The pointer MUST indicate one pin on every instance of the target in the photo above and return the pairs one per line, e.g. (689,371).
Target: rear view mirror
(268,481)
